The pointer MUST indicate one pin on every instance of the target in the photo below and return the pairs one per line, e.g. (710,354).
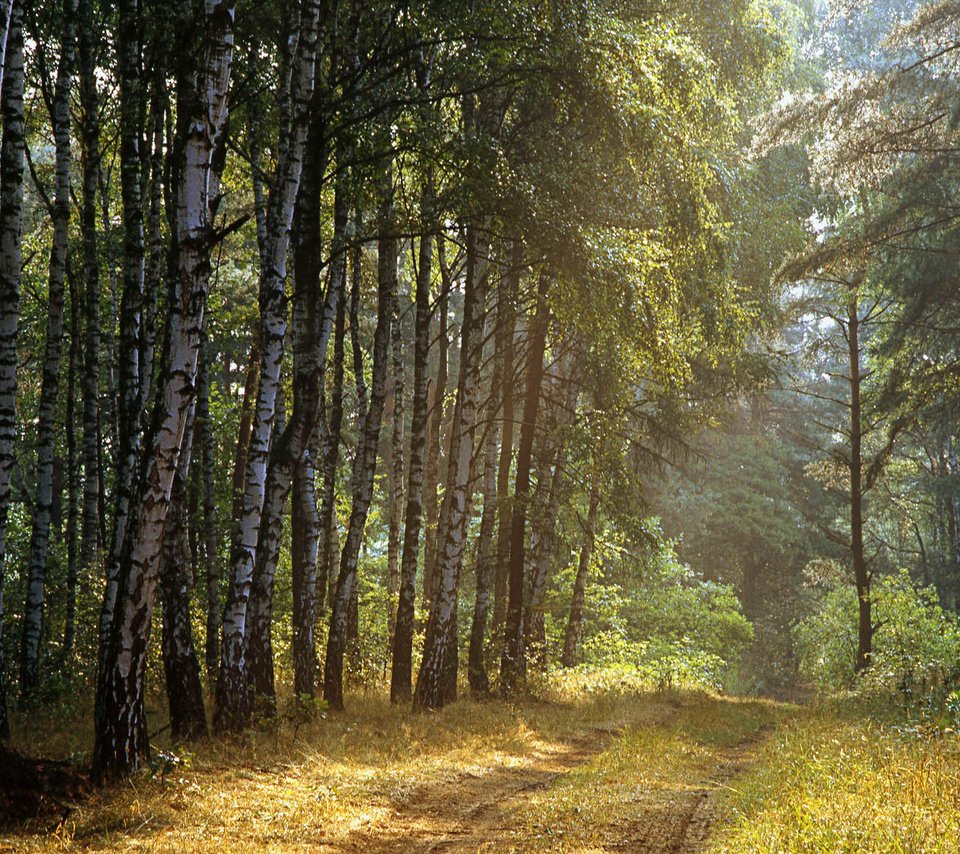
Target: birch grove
(340,302)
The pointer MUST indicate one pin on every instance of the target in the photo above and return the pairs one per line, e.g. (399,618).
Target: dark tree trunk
(512,665)
(506,326)
(327,548)
(861,572)
(486,553)
(153,273)
(188,719)
(533,624)
(232,707)
(543,555)
(90,383)
(313,319)
(365,461)
(571,637)
(73,474)
(305,532)
(121,740)
(250,383)
(435,404)
(395,468)
(130,403)
(352,591)
(210,538)
(402,669)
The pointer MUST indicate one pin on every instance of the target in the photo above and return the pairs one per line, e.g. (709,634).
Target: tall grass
(835,781)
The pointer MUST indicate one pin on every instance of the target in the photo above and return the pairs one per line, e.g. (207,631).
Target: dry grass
(289,787)
(580,770)
(654,781)
(832,782)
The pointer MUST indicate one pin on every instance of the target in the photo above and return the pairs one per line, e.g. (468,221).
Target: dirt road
(490,809)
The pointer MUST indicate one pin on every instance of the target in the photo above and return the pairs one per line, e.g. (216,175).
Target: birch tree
(46,420)
(11,220)
(365,460)
(231,707)
(132,383)
(121,739)
(401,668)
(513,662)
(440,634)
(313,318)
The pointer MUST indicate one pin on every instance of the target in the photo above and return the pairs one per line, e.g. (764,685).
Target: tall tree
(506,331)
(204,426)
(181,669)
(402,668)
(513,662)
(436,400)
(90,383)
(131,373)
(203,78)
(440,637)
(231,707)
(395,466)
(46,419)
(11,220)
(313,318)
(574,629)
(486,553)
(365,460)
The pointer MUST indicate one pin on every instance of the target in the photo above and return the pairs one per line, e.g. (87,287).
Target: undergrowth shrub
(656,619)
(916,645)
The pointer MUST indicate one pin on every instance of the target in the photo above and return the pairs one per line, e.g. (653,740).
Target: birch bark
(11,217)
(130,403)
(431,691)
(365,461)
(121,741)
(50,385)
(486,553)
(232,696)
(512,664)
(402,667)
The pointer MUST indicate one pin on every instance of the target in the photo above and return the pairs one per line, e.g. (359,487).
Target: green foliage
(658,619)
(916,644)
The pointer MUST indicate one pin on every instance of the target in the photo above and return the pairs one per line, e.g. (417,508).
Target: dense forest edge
(505,425)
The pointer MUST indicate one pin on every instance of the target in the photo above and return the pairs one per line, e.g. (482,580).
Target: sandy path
(681,819)
(475,811)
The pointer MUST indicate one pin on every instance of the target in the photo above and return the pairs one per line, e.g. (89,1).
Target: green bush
(916,645)
(664,622)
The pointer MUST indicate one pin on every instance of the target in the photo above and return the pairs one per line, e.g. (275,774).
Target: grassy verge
(836,780)
(761,776)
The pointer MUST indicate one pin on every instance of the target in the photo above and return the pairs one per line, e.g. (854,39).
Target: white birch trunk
(121,742)
(11,216)
(231,711)
(131,387)
(452,534)
(46,420)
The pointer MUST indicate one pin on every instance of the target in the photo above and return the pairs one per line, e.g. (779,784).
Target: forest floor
(596,772)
